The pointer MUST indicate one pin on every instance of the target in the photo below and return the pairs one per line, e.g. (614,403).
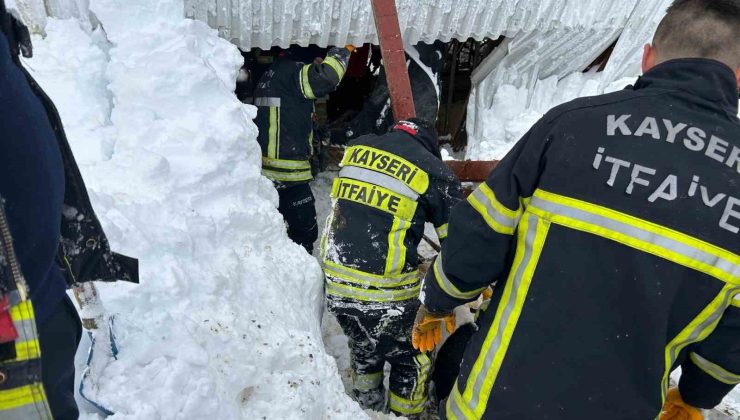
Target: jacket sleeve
(316,80)
(482,229)
(712,368)
(447,194)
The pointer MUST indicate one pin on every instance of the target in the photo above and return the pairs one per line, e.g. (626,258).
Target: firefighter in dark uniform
(285,98)
(388,187)
(612,234)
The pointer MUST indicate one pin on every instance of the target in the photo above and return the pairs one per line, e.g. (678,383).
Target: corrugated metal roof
(265,23)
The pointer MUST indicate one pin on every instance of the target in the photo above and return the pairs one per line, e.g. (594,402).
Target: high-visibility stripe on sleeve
(442,231)
(446,285)
(406,406)
(336,65)
(473,401)
(736,301)
(305,83)
(715,371)
(367,381)
(497,216)
(24,403)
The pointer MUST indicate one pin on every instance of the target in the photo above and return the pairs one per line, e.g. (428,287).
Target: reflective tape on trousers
(404,406)
(24,403)
(366,382)
(377,178)
(366,295)
(367,279)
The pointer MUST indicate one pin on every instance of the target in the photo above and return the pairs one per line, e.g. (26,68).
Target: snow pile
(225,323)
(514,110)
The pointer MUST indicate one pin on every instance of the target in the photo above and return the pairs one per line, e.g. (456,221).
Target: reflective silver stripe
(670,244)
(446,285)
(510,305)
(483,200)
(386,295)
(367,279)
(264,101)
(367,381)
(377,178)
(736,301)
(715,371)
(26,329)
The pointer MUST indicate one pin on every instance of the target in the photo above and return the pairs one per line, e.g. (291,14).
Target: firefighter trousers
(384,335)
(298,207)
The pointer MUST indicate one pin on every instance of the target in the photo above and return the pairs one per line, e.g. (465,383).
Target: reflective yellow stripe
(639,234)
(396,258)
(336,65)
(374,196)
(448,287)
(736,301)
(697,330)
(424,367)
(715,371)
(442,231)
(401,405)
(30,396)
(285,164)
(366,382)
(351,275)
(22,311)
(273,133)
(27,350)
(497,216)
(306,84)
(389,164)
(530,242)
(369,295)
(287,176)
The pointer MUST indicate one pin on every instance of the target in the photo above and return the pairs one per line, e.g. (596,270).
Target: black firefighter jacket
(388,187)
(611,232)
(285,98)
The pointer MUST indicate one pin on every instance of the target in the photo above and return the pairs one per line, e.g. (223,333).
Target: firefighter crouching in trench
(388,187)
(611,232)
(285,97)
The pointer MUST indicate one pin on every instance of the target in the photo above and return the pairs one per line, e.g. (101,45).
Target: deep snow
(225,322)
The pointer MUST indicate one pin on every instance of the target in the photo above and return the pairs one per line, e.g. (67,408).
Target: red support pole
(394,58)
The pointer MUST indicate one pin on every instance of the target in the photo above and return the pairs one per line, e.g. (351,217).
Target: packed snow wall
(225,322)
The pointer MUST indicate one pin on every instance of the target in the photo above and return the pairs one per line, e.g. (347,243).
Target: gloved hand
(488,293)
(350,47)
(675,409)
(427,331)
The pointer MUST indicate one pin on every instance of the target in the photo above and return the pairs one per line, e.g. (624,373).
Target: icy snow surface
(225,322)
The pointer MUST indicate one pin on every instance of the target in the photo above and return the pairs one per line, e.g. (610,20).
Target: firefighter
(424,62)
(285,98)
(388,187)
(611,232)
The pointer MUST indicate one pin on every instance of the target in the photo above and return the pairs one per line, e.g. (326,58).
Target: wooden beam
(394,59)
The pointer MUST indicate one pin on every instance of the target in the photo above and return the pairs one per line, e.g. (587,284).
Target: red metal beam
(394,58)
(472,170)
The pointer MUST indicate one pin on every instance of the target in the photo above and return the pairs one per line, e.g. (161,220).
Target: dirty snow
(225,323)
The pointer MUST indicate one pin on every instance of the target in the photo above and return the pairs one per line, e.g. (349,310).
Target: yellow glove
(488,293)
(675,409)
(427,332)
(350,47)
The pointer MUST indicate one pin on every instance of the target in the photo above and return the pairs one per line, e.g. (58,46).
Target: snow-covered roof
(265,23)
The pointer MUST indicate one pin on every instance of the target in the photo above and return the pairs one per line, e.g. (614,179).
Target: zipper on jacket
(6,241)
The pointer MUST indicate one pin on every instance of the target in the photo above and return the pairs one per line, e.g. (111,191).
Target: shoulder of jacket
(592,102)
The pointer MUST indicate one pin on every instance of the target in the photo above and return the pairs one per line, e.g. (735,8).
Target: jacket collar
(708,80)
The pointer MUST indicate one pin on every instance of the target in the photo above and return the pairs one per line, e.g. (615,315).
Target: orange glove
(675,409)
(427,332)
(350,47)
(488,293)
